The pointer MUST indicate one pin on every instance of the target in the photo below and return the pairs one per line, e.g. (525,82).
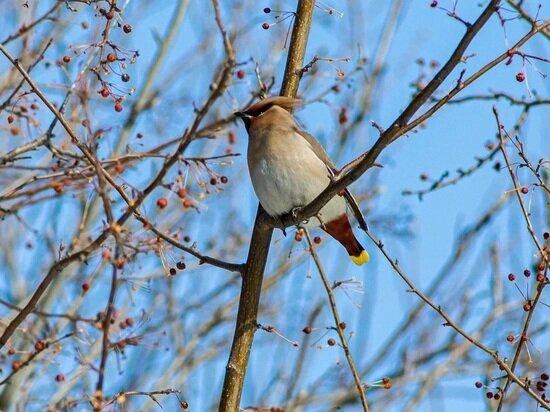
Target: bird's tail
(340,229)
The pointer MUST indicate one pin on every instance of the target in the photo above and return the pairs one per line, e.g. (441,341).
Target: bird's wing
(319,150)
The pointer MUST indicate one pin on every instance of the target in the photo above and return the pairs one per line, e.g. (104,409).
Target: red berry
(489,395)
(546,235)
(60,377)
(118,107)
(85,287)
(105,92)
(526,307)
(180,265)
(544,376)
(496,397)
(11,351)
(173,272)
(66,59)
(478,384)
(119,168)
(128,321)
(111,57)
(213,181)
(511,277)
(39,345)
(265,26)
(307,330)
(510,338)
(520,77)
(526,273)
(524,190)
(342,325)
(11,119)
(187,238)
(541,278)
(317,240)
(187,203)
(127,28)
(331,342)
(16,365)
(162,202)
(240,74)
(231,137)
(184,404)
(224,179)
(182,193)
(109,15)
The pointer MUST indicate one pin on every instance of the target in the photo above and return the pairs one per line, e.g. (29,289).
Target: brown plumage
(289,168)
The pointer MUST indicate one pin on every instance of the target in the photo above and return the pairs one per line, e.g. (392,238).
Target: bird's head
(261,107)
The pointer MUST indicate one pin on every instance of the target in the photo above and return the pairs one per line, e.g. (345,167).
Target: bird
(289,168)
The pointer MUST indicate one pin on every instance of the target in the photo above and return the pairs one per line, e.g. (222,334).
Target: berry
(187,238)
(111,57)
(520,77)
(180,265)
(118,107)
(317,240)
(162,202)
(231,137)
(331,342)
(66,59)
(424,177)
(546,235)
(224,179)
(526,273)
(11,119)
(125,77)
(342,325)
(128,322)
(489,395)
(433,4)
(213,181)
(510,338)
(478,384)
(511,277)
(104,92)
(182,193)
(544,376)
(187,203)
(240,74)
(541,278)
(127,28)
(526,308)
(173,272)
(85,287)
(267,10)
(265,26)
(16,365)
(60,377)
(184,404)
(307,330)
(119,168)
(496,397)
(524,190)
(109,15)
(39,345)
(11,351)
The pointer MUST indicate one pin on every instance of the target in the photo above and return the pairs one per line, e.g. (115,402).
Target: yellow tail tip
(361,259)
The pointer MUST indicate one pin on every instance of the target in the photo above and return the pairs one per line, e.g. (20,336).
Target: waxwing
(289,168)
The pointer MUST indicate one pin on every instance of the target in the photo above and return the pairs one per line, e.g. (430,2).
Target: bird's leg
(294,212)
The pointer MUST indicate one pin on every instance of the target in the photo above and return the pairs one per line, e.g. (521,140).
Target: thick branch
(261,237)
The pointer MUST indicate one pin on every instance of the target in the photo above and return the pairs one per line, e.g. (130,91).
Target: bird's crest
(287,103)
